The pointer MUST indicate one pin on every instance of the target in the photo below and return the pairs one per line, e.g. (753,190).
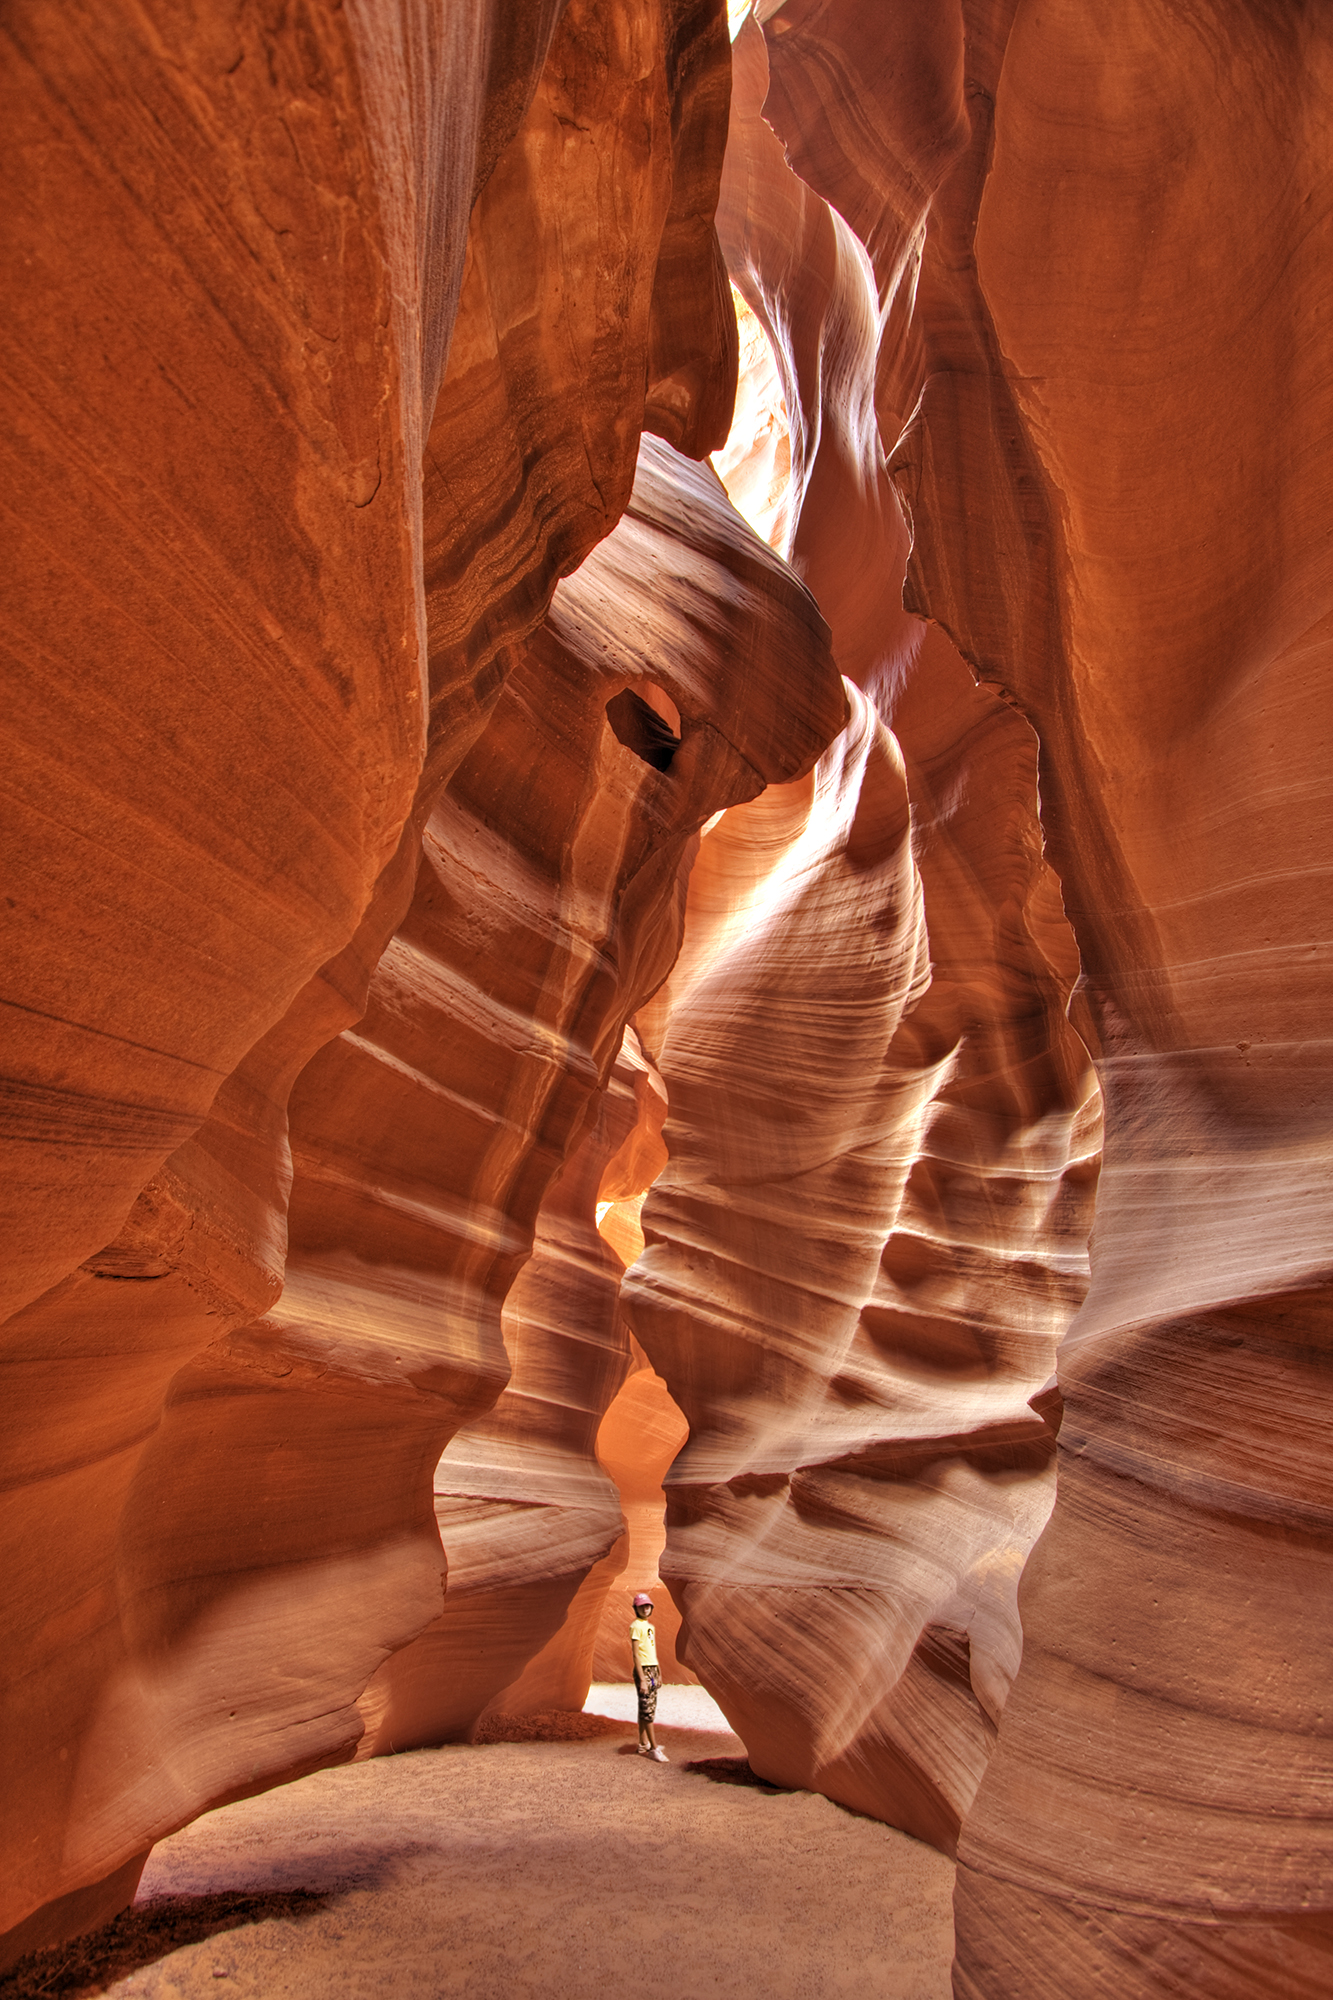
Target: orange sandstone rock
(871,1234)
(1116,473)
(639,1439)
(548,908)
(332,338)
(523,1510)
(244,597)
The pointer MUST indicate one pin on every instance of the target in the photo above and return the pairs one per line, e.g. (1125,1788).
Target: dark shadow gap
(642,730)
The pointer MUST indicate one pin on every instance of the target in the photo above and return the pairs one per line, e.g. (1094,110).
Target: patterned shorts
(647,1680)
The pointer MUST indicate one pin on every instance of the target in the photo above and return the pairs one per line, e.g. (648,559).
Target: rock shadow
(736,1771)
(143,1934)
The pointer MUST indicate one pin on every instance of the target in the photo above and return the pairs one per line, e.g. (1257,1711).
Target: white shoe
(659,1755)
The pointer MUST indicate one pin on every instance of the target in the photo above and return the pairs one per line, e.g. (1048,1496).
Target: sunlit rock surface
(1114,363)
(548,908)
(883,1131)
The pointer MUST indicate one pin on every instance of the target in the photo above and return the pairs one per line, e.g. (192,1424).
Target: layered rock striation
(548,908)
(267,597)
(1116,472)
(883,1133)
(390,724)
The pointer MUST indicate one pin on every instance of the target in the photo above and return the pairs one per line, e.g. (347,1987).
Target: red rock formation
(548,905)
(870,1236)
(213,357)
(523,1510)
(1116,474)
(582,1249)
(548,908)
(295,739)
(273,269)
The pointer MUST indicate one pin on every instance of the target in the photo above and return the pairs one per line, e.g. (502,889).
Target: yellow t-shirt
(643,1639)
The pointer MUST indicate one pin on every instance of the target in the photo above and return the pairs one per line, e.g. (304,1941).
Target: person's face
(644,1611)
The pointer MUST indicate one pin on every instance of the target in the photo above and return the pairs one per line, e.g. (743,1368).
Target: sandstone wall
(640,1437)
(883,1132)
(267,593)
(548,908)
(1116,471)
(371,691)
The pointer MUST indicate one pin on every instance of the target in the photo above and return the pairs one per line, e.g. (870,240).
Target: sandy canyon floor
(561,1869)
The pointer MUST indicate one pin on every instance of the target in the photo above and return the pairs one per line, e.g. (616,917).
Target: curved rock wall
(217,412)
(871,1233)
(341,843)
(637,1443)
(241,603)
(1116,473)
(548,908)
(522,1508)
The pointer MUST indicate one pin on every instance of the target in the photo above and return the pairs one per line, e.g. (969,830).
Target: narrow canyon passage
(665,915)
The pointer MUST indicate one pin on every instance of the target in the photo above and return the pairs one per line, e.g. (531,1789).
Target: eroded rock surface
(1118,516)
(548,908)
(282,573)
(341,844)
(883,1132)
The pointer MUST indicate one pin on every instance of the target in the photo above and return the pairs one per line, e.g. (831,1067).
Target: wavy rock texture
(531,1521)
(523,1510)
(224,298)
(871,1234)
(548,909)
(639,1434)
(332,335)
(1117,476)
(266,287)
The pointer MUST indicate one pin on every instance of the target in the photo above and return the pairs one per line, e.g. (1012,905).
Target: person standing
(647,1676)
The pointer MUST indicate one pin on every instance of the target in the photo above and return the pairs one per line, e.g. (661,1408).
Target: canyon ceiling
(556,942)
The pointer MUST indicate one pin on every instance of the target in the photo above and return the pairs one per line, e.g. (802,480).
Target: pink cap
(641,1598)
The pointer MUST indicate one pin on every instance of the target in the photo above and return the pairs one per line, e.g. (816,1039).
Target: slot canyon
(667,802)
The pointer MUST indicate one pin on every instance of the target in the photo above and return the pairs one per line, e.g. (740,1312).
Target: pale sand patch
(565,1870)
(680,1705)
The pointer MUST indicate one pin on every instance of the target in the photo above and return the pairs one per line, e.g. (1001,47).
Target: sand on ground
(569,1870)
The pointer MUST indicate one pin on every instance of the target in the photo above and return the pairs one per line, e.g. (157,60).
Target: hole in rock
(650,726)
